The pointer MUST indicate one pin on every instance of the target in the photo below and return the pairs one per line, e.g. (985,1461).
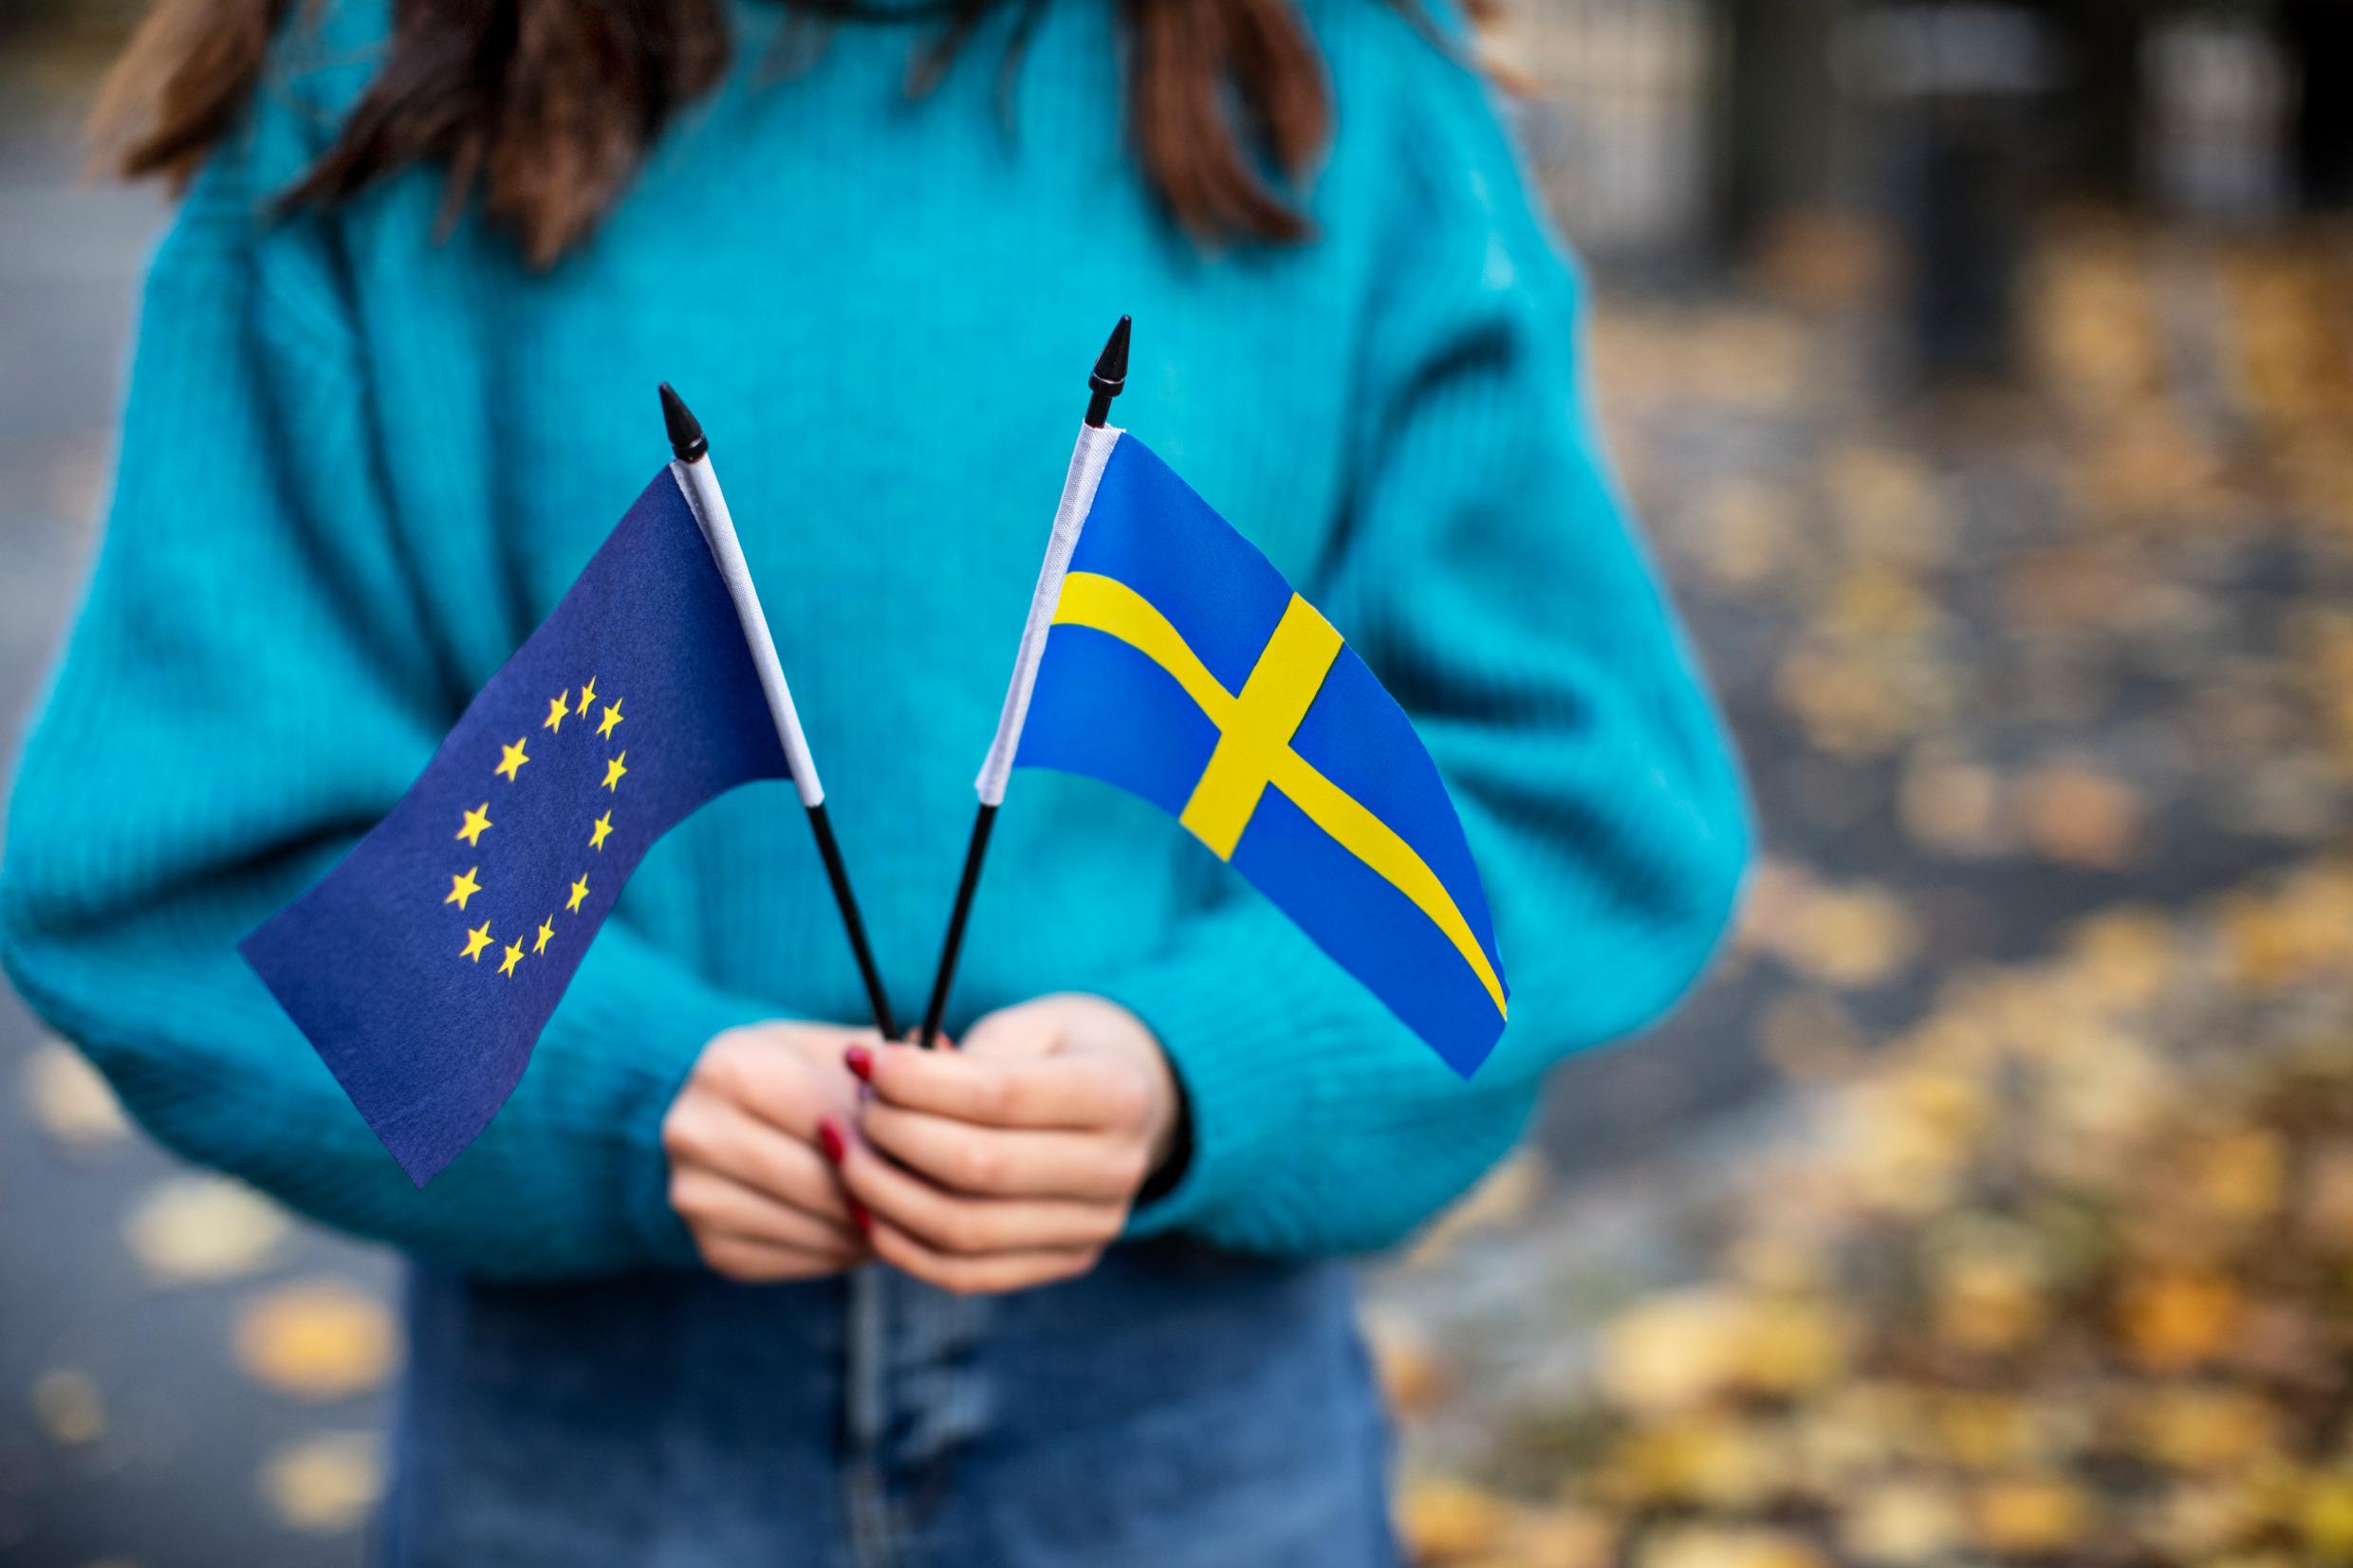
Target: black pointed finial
(686,431)
(1110,374)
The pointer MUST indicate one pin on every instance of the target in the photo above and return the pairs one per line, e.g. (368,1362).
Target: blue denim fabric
(1177,1406)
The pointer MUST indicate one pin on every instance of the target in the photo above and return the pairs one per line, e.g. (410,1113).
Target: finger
(709,1201)
(1081,1090)
(971,1226)
(761,1262)
(726,1139)
(970,1158)
(1032,1029)
(993,1273)
(783,1088)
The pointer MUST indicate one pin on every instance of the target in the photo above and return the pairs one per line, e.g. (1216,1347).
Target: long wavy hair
(542,109)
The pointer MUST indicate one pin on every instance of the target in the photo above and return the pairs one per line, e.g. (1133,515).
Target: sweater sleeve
(1487,574)
(252,681)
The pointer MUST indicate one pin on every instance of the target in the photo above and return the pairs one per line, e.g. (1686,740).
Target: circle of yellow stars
(476,820)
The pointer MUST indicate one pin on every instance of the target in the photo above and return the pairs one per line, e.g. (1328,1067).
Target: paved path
(127,1428)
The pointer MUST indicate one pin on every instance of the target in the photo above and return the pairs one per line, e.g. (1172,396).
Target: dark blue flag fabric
(425,965)
(1182,667)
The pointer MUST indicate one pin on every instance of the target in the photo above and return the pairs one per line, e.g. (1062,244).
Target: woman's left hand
(1013,1160)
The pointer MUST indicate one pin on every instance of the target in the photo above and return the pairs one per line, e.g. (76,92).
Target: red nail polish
(859,1061)
(830,1136)
(858,1212)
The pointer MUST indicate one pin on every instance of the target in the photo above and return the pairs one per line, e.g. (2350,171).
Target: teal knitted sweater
(362,460)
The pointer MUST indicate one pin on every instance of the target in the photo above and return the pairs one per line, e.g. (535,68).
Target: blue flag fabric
(424,967)
(1182,667)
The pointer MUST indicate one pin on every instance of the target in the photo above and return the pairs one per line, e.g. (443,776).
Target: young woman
(393,384)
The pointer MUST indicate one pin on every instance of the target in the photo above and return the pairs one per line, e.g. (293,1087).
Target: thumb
(1027,1029)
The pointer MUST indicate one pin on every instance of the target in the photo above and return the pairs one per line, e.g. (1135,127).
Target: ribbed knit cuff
(1246,1038)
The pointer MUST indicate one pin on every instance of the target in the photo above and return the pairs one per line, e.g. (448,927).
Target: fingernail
(830,1136)
(859,1061)
(858,1212)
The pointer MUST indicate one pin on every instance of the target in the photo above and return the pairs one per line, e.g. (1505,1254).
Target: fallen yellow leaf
(1714,1546)
(1900,1524)
(191,1230)
(1952,806)
(2328,1517)
(69,1100)
(2035,1515)
(1849,937)
(2174,1319)
(1411,1376)
(67,1405)
(2074,813)
(324,1484)
(2198,1428)
(321,1340)
(1443,1520)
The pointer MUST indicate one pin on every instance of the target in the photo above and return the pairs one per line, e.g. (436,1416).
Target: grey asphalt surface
(175,1475)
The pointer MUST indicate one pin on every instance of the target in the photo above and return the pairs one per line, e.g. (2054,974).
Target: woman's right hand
(746,1173)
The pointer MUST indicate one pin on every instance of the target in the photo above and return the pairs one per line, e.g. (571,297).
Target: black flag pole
(1102,384)
(693,450)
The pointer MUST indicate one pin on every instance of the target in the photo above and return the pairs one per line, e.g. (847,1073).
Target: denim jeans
(1176,1406)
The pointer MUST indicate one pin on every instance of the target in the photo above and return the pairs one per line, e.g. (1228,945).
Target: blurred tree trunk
(1779,132)
(2319,35)
(2101,42)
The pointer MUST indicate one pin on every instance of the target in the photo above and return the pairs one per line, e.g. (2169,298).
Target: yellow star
(612,717)
(463,886)
(514,956)
(587,696)
(477,820)
(613,770)
(511,758)
(602,827)
(579,891)
(547,930)
(559,708)
(476,940)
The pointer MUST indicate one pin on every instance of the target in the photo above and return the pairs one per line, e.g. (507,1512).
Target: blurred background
(1984,376)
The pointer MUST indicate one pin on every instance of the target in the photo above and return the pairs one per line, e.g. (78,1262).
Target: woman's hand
(745,1176)
(1013,1160)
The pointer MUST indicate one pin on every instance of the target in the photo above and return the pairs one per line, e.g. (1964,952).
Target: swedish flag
(1181,667)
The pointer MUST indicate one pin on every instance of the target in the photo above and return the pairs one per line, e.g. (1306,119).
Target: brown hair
(543,107)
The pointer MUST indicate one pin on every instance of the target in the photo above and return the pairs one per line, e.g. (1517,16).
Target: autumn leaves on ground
(2066,1275)
(2044,1251)
(313,1342)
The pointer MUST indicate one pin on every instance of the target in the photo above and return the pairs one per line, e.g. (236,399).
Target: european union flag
(1182,667)
(425,965)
